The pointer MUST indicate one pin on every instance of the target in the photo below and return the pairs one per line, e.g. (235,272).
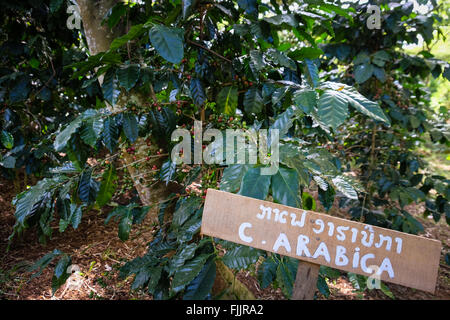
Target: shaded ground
(96,249)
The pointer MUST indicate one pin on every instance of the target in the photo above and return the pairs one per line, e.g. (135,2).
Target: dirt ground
(96,249)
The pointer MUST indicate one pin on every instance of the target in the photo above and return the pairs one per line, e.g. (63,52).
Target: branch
(209,50)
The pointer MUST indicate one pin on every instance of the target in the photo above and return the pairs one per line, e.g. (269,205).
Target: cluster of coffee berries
(224,121)
(243,81)
(378,94)
(194,189)
(179,104)
(134,108)
(157,106)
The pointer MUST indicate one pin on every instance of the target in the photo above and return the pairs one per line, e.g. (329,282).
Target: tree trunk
(99,38)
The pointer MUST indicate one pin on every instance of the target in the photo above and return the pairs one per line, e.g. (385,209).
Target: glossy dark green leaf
(20,91)
(155,276)
(141,278)
(119,212)
(306,100)
(63,137)
(323,287)
(91,131)
(332,108)
(359,102)
(361,58)
(232,177)
(299,165)
(87,187)
(321,183)
(168,42)
(256,62)
(110,133)
(29,201)
(188,272)
(72,216)
(281,58)
(168,170)
(241,257)
(284,121)
(280,19)
(133,33)
(285,187)
(278,94)
(414,121)
(197,91)
(267,272)
(201,286)
(255,185)
(76,216)
(8,162)
(286,274)
(253,101)
(162,122)
(363,72)
(115,14)
(43,262)
(128,75)
(342,184)
(249,6)
(107,187)
(327,197)
(380,74)
(312,73)
(125,226)
(58,282)
(62,265)
(186,209)
(227,100)
(190,228)
(130,126)
(380,58)
(110,87)
(358,282)
(186,253)
(342,11)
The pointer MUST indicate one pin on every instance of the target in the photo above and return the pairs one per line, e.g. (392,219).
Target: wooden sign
(321,239)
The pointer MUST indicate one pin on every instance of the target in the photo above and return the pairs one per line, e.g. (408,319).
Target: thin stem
(209,50)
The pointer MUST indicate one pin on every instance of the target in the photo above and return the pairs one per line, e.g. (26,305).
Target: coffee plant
(393,172)
(351,108)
